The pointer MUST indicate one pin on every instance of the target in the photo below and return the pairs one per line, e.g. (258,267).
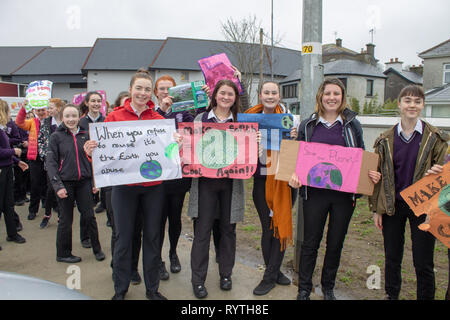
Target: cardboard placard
(341,162)
(431,195)
(38,94)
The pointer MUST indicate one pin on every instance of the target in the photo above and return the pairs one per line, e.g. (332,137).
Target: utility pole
(311,78)
(271,48)
(261,59)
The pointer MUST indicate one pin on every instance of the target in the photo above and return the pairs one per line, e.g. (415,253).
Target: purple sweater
(7,153)
(332,135)
(405,157)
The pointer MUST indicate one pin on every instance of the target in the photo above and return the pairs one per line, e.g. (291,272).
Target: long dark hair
(236,108)
(83,107)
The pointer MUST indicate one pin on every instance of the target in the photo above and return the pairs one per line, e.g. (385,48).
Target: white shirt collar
(417,128)
(328,124)
(99,115)
(211,114)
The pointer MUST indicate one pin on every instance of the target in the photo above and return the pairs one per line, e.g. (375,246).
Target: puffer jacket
(31,125)
(432,151)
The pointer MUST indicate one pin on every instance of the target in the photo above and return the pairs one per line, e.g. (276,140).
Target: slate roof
(407,75)
(12,58)
(441,94)
(333,49)
(121,54)
(441,50)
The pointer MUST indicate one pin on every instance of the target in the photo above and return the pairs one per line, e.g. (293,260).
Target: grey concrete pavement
(37,258)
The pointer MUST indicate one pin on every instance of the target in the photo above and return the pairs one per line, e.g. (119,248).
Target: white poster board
(132,152)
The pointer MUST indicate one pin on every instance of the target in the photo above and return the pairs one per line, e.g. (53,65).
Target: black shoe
(118,296)
(200,291)
(86,243)
(328,295)
(263,288)
(136,278)
(17,238)
(226,283)
(283,280)
(175,265)
(44,222)
(27,199)
(155,296)
(70,259)
(20,202)
(100,256)
(99,209)
(388,297)
(108,224)
(19,226)
(0,248)
(31,216)
(303,295)
(163,274)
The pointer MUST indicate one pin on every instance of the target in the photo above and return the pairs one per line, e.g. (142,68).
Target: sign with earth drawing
(219,150)
(273,127)
(132,152)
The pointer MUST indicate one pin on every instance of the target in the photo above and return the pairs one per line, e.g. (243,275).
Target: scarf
(278,194)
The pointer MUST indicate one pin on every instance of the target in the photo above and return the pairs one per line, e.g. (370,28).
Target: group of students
(139,212)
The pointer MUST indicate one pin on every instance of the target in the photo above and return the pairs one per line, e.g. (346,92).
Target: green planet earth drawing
(217,149)
(444,200)
(171,151)
(151,170)
(325,175)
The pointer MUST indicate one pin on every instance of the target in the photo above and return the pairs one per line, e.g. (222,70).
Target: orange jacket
(31,125)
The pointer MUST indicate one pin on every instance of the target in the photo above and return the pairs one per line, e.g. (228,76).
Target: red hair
(164,78)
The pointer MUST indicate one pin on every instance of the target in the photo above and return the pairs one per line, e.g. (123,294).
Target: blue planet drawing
(151,170)
(444,200)
(325,175)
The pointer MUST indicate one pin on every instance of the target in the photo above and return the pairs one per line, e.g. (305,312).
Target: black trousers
(174,194)
(137,239)
(38,179)
(422,252)
(81,192)
(211,192)
(338,207)
(129,202)
(51,201)
(7,199)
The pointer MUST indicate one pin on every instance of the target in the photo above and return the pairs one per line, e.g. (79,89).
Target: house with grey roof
(12,58)
(436,79)
(398,78)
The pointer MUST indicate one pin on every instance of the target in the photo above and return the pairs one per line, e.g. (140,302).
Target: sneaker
(155,296)
(31,216)
(135,278)
(44,222)
(17,238)
(163,274)
(263,288)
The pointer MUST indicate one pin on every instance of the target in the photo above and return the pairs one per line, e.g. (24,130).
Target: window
(446,73)
(184,75)
(369,88)
(78,85)
(290,91)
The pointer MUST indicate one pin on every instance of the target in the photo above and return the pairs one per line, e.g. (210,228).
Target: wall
(113,82)
(394,84)
(357,85)
(433,72)
(63,91)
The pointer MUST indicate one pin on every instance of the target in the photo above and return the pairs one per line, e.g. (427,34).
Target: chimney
(371,49)
(339,42)
(417,69)
(394,64)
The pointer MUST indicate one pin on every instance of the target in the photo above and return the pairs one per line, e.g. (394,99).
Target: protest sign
(37,94)
(188,96)
(431,195)
(216,68)
(78,99)
(327,166)
(131,152)
(15,103)
(219,150)
(273,127)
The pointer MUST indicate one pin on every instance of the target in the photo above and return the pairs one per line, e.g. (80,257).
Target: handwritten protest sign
(78,99)
(327,166)
(431,195)
(134,152)
(37,94)
(273,127)
(219,150)
(218,67)
(188,96)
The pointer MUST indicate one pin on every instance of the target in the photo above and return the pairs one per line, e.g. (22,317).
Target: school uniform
(68,167)
(318,204)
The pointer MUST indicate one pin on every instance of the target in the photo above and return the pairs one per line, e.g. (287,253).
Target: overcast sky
(403,27)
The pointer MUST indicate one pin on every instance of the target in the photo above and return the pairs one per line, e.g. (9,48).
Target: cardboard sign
(188,96)
(431,195)
(134,152)
(219,150)
(273,127)
(37,94)
(216,68)
(78,99)
(327,166)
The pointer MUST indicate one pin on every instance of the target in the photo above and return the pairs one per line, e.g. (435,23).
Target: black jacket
(66,159)
(351,131)
(84,122)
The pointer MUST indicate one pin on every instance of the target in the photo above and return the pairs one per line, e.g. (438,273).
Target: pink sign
(328,166)
(216,68)
(78,99)
(219,150)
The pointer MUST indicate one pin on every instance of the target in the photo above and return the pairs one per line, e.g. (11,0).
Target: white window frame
(446,70)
